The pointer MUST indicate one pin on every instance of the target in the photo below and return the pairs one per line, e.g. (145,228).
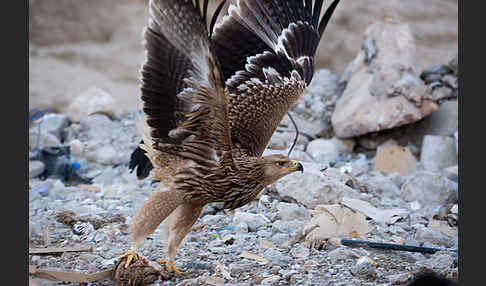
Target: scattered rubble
(391,184)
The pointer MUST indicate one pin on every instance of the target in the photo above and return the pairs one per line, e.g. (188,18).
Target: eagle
(212,98)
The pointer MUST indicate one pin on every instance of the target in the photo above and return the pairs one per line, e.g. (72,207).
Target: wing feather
(183,93)
(266,50)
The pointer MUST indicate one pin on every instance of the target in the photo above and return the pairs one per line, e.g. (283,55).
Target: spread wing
(186,113)
(266,51)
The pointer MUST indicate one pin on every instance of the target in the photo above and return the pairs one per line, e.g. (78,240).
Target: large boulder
(383,90)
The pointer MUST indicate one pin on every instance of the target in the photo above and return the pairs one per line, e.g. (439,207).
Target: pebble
(438,152)
(365,267)
(35,168)
(289,211)
(327,150)
(254,221)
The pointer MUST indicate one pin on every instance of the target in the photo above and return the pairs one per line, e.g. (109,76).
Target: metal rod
(296,134)
(393,246)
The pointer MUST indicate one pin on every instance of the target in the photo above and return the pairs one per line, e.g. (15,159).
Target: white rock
(452,173)
(98,127)
(383,90)
(35,168)
(76,147)
(443,122)
(254,221)
(314,187)
(270,280)
(289,211)
(300,251)
(213,219)
(365,267)
(105,155)
(290,226)
(326,150)
(93,100)
(431,190)
(51,123)
(283,141)
(438,152)
(44,140)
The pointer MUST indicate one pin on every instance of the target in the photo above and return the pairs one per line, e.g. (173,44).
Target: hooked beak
(298,166)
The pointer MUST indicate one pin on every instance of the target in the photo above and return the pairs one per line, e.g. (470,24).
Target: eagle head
(278,166)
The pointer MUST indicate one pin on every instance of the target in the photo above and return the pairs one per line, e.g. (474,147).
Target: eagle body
(212,99)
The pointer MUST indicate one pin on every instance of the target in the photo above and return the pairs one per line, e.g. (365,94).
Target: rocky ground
(412,202)
(379,149)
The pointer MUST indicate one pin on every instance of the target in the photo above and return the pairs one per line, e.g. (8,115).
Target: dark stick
(393,246)
(296,134)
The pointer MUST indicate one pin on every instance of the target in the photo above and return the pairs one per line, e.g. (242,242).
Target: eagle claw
(169,266)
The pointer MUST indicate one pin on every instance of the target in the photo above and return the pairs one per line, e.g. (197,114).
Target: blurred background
(77,45)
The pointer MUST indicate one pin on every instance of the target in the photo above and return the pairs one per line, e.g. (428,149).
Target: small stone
(279,238)
(82,228)
(300,251)
(35,168)
(254,221)
(107,263)
(415,205)
(291,226)
(341,254)
(288,211)
(44,140)
(52,123)
(97,127)
(365,268)
(93,100)
(283,140)
(428,236)
(265,202)
(276,257)
(242,227)
(105,155)
(76,147)
(438,152)
(400,279)
(440,262)
(443,122)
(213,220)
(452,173)
(270,280)
(327,150)
(429,189)
(395,158)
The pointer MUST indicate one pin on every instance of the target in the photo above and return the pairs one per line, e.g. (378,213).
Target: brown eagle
(211,102)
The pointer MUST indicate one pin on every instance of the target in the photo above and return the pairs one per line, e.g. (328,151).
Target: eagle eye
(281,164)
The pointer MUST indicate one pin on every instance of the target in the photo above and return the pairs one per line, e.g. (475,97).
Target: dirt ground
(77,45)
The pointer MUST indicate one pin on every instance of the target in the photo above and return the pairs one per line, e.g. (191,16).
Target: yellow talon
(131,255)
(169,265)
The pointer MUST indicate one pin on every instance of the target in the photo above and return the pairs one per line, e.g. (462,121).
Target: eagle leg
(155,210)
(176,227)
